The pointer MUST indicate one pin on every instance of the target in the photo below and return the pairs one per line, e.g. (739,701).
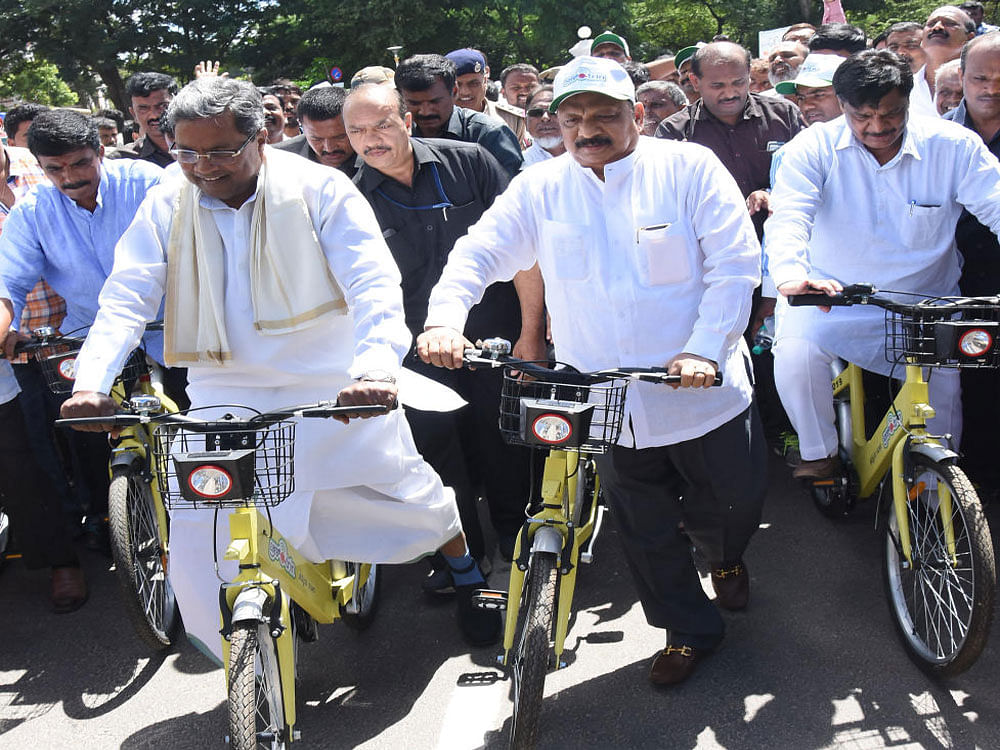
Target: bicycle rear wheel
(365,600)
(140,558)
(942,606)
(531,649)
(256,708)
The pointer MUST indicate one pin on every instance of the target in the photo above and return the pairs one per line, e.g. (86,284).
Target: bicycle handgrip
(802,300)
(116,420)
(676,379)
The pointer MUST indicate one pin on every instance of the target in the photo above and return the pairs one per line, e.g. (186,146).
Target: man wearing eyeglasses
(277,289)
(426,194)
(65,231)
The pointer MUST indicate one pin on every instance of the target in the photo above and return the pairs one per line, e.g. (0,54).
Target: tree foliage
(106,40)
(37,81)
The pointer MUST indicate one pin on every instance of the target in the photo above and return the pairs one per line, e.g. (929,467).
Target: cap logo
(477,68)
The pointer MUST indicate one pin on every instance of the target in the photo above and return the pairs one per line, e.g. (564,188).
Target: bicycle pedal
(475,679)
(490,599)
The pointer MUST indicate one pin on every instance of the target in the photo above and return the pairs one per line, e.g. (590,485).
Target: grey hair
(672,90)
(205,98)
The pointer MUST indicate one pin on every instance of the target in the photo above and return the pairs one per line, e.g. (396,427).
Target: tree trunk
(805,7)
(116,87)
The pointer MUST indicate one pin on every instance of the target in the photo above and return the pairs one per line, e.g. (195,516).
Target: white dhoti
(807,341)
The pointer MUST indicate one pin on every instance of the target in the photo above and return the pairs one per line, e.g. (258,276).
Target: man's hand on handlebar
(90,404)
(695,371)
(443,347)
(366,393)
(829,287)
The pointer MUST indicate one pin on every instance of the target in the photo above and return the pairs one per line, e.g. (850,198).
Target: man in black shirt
(426,194)
(323,138)
(149,96)
(979,110)
(427,83)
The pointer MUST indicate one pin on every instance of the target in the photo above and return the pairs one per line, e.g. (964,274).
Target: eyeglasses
(537,112)
(187,156)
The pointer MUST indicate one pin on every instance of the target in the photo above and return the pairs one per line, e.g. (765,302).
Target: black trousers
(466,448)
(715,484)
(29,496)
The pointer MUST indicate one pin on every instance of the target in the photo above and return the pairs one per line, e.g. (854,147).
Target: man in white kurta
(362,490)
(868,197)
(649,259)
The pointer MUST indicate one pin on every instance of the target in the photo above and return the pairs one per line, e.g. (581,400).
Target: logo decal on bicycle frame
(893,423)
(278,552)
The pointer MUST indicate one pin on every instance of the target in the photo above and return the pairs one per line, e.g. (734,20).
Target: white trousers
(802,374)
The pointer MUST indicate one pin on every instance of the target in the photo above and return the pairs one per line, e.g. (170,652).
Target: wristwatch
(378,376)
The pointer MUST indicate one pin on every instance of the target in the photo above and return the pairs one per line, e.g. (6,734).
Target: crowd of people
(615,212)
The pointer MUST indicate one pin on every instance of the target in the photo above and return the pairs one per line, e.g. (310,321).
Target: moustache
(595,141)
(375,150)
(426,118)
(74,185)
(338,152)
(937,32)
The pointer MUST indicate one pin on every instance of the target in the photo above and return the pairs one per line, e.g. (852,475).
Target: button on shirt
(659,258)
(49,235)
(475,127)
(838,214)
(421,238)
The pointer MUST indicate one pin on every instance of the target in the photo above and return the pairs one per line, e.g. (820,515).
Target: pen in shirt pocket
(914,204)
(650,228)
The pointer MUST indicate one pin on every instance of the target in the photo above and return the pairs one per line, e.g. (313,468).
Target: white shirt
(659,258)
(921,99)
(8,385)
(534,154)
(838,214)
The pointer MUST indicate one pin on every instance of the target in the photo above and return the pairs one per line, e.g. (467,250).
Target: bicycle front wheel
(942,604)
(256,708)
(531,649)
(140,558)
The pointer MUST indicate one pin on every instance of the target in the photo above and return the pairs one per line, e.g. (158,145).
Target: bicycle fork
(905,491)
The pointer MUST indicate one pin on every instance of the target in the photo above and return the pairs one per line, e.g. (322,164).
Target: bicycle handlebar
(320,410)
(570,375)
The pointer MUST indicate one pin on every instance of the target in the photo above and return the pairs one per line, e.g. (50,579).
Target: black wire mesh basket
(220,465)
(557,413)
(58,362)
(944,334)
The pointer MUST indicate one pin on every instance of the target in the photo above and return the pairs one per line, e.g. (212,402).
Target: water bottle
(765,337)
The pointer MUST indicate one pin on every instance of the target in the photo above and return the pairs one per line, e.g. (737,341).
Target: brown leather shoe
(821,468)
(732,586)
(69,590)
(675,664)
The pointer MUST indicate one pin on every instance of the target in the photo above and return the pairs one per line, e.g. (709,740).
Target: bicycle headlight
(210,482)
(552,428)
(225,476)
(975,342)
(67,368)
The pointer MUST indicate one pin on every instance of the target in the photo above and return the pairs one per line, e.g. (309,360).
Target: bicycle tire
(941,612)
(140,560)
(531,650)
(368,597)
(256,708)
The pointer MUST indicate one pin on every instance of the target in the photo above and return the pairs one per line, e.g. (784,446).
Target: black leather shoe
(732,586)
(675,664)
(480,627)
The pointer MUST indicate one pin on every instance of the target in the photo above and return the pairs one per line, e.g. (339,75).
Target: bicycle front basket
(228,466)
(945,334)
(58,362)
(547,414)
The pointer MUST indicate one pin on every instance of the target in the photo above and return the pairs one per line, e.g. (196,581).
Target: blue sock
(464,571)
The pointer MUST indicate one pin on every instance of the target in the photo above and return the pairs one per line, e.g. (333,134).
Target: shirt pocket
(664,254)
(922,225)
(567,247)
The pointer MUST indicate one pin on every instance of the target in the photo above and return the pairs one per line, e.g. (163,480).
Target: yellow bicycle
(138,522)
(245,464)
(573,415)
(939,569)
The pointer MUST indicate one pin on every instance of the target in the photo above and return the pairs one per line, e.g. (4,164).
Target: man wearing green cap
(812,88)
(611,46)
(649,259)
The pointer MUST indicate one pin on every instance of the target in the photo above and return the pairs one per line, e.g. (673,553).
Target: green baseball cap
(816,72)
(685,53)
(613,38)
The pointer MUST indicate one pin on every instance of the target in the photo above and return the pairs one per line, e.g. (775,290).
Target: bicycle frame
(885,451)
(269,565)
(557,528)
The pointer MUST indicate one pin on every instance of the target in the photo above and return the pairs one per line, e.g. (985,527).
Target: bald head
(987,44)
(719,53)
(378,95)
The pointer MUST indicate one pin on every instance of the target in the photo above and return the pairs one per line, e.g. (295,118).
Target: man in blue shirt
(66,232)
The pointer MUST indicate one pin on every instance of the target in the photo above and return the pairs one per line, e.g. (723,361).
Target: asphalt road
(813,663)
